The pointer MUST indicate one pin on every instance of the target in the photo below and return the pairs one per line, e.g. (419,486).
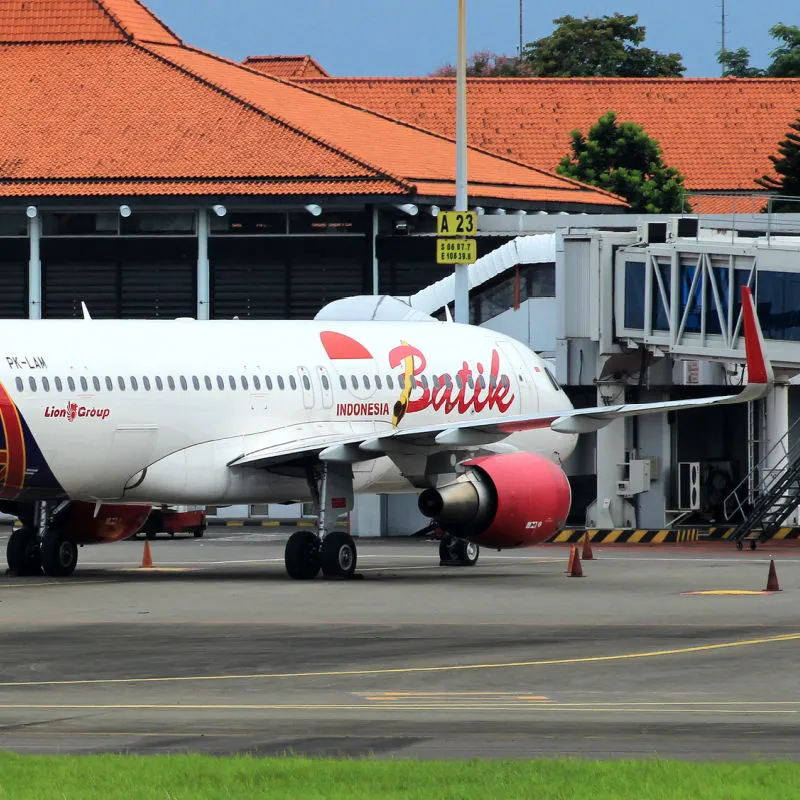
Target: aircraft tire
(59,554)
(338,555)
(22,553)
(302,556)
(466,553)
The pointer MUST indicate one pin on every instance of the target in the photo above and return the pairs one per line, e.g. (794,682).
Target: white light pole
(462,200)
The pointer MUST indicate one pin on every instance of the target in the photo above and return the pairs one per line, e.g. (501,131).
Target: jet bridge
(655,313)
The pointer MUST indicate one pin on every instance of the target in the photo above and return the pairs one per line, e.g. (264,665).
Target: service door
(306,386)
(326,389)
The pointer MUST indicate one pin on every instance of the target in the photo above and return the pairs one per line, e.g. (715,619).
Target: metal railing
(763,476)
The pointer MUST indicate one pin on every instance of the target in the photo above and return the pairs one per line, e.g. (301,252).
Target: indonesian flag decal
(349,359)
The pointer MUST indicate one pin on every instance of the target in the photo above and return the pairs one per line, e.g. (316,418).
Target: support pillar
(375,266)
(35,268)
(609,510)
(367,519)
(203,268)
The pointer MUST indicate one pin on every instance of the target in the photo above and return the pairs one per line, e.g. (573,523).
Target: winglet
(759,368)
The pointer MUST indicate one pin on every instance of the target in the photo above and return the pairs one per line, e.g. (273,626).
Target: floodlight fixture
(314,209)
(125,211)
(434,211)
(219,210)
(500,212)
(31,212)
(408,208)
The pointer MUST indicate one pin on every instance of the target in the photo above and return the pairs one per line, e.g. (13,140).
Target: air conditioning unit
(688,485)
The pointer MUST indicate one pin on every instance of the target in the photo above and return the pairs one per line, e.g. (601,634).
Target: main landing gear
(455,552)
(41,546)
(332,552)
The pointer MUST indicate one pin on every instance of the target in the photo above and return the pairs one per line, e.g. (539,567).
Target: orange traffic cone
(588,555)
(572,551)
(147,558)
(575,569)
(772,578)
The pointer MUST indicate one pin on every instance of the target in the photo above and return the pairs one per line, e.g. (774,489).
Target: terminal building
(149,179)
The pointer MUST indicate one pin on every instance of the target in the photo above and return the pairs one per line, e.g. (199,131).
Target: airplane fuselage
(149,411)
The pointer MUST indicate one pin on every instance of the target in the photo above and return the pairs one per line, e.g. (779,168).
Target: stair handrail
(766,476)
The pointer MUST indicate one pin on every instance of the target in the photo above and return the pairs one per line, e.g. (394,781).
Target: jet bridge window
(32,384)
(20,385)
(59,385)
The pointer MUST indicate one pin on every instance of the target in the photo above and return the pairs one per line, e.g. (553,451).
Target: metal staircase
(768,494)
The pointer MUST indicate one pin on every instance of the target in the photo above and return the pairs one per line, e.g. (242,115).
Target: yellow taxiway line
(705,648)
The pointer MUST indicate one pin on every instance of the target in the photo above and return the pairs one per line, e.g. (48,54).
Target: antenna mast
(722,50)
(521,15)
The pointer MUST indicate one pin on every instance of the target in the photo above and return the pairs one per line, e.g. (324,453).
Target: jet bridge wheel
(59,554)
(22,553)
(302,556)
(338,555)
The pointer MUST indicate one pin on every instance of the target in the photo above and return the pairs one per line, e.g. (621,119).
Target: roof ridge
(509,80)
(296,128)
(106,6)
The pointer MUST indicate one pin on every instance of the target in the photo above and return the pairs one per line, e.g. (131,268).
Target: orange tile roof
(288,67)
(719,132)
(80,20)
(114,102)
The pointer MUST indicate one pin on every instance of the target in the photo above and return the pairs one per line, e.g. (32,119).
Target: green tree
(736,64)
(599,47)
(785,57)
(489,65)
(623,159)
(787,165)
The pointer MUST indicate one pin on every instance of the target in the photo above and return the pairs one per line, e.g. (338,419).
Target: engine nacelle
(112,523)
(503,501)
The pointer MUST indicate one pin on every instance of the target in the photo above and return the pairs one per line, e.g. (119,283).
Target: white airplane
(104,419)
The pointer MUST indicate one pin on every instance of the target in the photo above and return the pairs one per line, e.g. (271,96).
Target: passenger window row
(253,383)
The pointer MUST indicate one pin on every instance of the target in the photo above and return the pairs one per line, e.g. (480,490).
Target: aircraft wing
(474,433)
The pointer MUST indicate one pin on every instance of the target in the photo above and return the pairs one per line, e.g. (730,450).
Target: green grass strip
(193,777)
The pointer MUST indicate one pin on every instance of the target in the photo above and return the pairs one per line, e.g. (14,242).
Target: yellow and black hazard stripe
(727,532)
(626,535)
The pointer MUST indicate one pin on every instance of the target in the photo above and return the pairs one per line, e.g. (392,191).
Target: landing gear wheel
(466,552)
(338,555)
(753,544)
(302,556)
(458,552)
(22,553)
(58,553)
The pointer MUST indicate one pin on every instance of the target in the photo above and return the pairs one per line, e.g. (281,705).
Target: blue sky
(413,37)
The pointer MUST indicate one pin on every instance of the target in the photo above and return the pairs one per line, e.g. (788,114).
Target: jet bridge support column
(777,443)
(609,510)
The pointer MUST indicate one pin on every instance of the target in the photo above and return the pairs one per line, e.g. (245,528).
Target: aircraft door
(522,383)
(326,388)
(306,386)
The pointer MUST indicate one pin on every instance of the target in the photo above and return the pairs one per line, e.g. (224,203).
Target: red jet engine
(111,524)
(503,501)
